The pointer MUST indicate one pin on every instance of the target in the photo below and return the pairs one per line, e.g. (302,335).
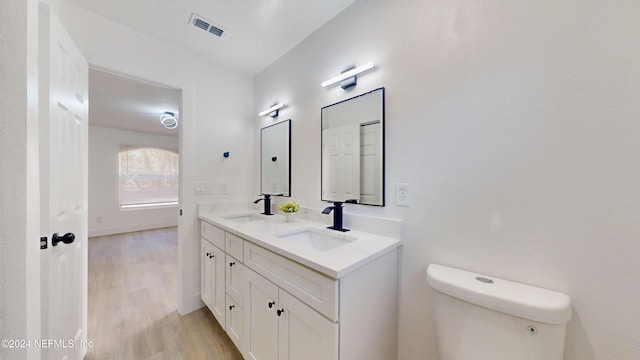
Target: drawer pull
(271,303)
(280,311)
(231,264)
(231,307)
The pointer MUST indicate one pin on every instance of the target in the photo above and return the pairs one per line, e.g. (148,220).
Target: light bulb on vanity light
(350,73)
(273,111)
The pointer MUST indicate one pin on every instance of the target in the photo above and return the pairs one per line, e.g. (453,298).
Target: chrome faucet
(337,214)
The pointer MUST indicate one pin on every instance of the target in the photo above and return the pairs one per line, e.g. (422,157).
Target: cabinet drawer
(213,234)
(235,279)
(313,288)
(234,246)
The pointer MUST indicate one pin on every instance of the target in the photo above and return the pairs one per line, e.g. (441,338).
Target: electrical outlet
(403,194)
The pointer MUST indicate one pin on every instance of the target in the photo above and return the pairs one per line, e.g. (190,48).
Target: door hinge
(43,243)
(180,212)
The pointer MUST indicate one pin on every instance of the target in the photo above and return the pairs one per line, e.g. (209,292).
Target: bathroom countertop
(335,263)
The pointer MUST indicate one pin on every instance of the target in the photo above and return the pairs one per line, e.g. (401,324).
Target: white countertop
(334,263)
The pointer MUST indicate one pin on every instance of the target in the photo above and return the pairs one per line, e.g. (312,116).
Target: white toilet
(478,317)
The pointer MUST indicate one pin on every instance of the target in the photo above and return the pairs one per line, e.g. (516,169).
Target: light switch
(201,188)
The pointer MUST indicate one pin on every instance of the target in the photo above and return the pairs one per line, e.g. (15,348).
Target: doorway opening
(134,178)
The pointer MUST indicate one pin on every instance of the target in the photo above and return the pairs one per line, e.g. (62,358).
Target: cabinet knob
(208,254)
(211,256)
(231,307)
(271,303)
(231,264)
(280,311)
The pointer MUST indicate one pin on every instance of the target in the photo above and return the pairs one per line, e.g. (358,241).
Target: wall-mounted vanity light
(349,77)
(168,120)
(272,111)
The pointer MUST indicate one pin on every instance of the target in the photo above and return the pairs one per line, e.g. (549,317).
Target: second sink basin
(316,239)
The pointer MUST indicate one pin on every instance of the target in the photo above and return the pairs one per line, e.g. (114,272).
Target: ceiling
(121,102)
(256,33)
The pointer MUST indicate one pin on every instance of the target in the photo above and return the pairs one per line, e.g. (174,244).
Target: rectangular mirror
(275,159)
(353,149)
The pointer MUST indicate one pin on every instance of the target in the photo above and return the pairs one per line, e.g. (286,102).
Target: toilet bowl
(479,317)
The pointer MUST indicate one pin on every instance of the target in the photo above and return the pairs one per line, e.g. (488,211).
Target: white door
(63,170)
(341,163)
(371,163)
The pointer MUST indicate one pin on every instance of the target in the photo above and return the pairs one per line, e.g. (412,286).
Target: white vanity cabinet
(275,308)
(222,279)
(293,312)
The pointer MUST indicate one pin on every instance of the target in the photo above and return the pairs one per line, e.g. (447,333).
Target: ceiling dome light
(168,120)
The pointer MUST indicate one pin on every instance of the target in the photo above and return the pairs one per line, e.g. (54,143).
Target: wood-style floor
(132,303)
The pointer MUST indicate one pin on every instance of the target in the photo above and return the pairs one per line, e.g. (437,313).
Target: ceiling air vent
(206,25)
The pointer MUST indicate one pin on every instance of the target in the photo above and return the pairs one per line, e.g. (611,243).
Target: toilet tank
(479,317)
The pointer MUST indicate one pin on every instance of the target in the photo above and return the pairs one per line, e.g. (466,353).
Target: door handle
(67,238)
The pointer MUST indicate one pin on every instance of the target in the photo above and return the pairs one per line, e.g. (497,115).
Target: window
(148,177)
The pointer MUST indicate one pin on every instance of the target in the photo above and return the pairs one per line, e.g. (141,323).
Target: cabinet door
(215,271)
(235,279)
(235,322)
(303,332)
(206,271)
(260,319)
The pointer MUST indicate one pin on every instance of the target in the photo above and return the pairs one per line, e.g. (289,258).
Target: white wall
(215,117)
(19,186)
(516,123)
(105,215)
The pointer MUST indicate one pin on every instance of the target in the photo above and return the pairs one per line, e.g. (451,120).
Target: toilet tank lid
(501,295)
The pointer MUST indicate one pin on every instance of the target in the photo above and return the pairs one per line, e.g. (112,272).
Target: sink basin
(315,239)
(244,218)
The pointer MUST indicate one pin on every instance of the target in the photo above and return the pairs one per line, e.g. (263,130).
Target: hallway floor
(132,303)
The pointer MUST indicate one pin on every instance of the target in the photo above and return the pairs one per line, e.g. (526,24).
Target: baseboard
(131,228)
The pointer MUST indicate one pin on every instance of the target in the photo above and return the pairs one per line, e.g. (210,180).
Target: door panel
(341,170)
(63,158)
